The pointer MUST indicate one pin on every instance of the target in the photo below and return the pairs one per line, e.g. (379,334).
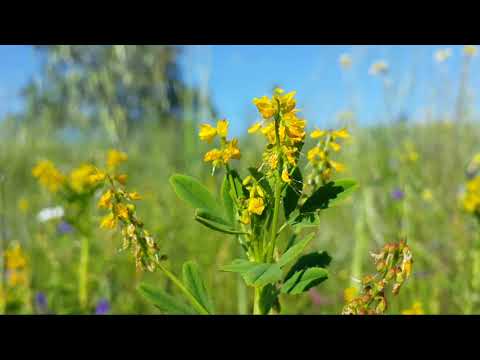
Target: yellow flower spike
(222,128)
(342,133)
(122,211)
(256,206)
(266,107)
(231,151)
(207,132)
(317,134)
(134,196)
(212,155)
(115,158)
(286,176)
(48,175)
(336,147)
(288,102)
(109,222)
(254,128)
(80,178)
(338,167)
(106,200)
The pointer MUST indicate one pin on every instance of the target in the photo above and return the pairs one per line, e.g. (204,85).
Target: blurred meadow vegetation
(132,98)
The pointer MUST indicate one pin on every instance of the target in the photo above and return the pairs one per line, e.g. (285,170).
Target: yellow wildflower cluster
(48,175)
(319,156)
(115,158)
(393,265)
(255,204)
(416,309)
(81,179)
(470,50)
(228,149)
(122,213)
(471,198)
(283,129)
(15,265)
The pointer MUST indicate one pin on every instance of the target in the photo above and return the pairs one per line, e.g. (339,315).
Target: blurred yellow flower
(266,107)
(286,176)
(48,175)
(378,68)
(345,61)
(109,221)
(349,294)
(416,309)
(339,167)
(317,134)
(470,50)
(121,211)
(222,128)
(23,205)
(81,177)
(106,200)
(134,196)
(254,128)
(115,158)
(231,151)
(427,195)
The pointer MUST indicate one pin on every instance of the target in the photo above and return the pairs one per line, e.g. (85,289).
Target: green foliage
(165,302)
(255,274)
(194,283)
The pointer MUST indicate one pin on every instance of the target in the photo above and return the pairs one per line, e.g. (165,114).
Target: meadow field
(412,179)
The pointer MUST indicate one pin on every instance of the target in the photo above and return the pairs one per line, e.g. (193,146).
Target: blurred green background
(410,159)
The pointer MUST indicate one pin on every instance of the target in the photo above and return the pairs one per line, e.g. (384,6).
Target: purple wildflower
(64,227)
(398,194)
(103,307)
(41,303)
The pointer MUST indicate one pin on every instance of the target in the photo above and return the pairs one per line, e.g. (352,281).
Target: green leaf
(237,182)
(165,302)
(305,219)
(194,283)
(329,195)
(228,203)
(314,259)
(304,280)
(255,274)
(293,192)
(268,298)
(193,192)
(216,223)
(295,250)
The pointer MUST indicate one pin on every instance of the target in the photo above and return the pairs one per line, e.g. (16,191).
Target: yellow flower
(231,151)
(207,132)
(315,154)
(14,258)
(349,294)
(256,206)
(287,101)
(254,128)
(286,176)
(81,177)
(245,218)
(273,161)
(345,61)
(109,222)
(416,309)
(23,205)
(106,200)
(134,196)
(48,175)
(16,278)
(470,50)
(339,167)
(266,106)
(427,195)
(97,177)
(378,68)
(122,179)
(336,147)
(212,155)
(222,128)
(115,158)
(342,133)
(122,211)
(317,134)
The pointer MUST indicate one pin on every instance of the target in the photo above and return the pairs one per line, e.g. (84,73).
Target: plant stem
(256,301)
(184,290)
(83,273)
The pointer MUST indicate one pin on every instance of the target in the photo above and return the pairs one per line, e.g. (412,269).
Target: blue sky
(234,74)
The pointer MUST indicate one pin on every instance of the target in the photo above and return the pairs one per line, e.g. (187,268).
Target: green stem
(256,302)
(184,290)
(276,210)
(83,273)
